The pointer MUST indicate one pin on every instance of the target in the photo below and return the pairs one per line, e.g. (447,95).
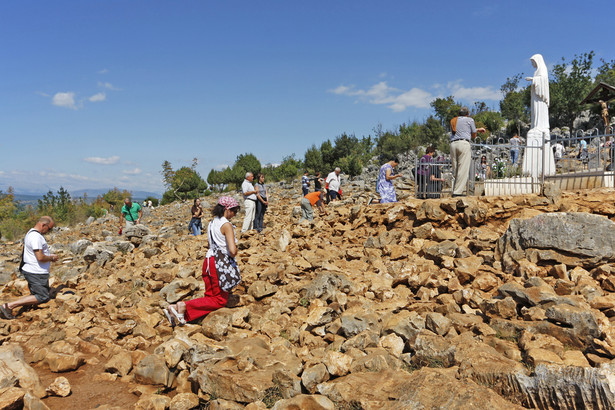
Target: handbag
(226,266)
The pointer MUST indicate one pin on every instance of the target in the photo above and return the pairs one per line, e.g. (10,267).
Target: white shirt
(514,142)
(32,242)
(246,186)
(214,233)
(334,181)
(559,150)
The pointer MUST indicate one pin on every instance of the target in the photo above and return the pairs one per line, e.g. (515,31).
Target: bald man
(132,212)
(34,267)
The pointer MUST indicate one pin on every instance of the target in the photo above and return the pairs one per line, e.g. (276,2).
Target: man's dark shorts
(38,285)
(333,195)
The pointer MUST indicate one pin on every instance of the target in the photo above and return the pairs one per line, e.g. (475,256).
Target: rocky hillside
(454,303)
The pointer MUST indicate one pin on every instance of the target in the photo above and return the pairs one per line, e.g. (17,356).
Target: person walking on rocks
(261,203)
(305,183)
(132,212)
(36,260)
(197,213)
(307,203)
(249,202)
(386,189)
(333,185)
(221,234)
(463,131)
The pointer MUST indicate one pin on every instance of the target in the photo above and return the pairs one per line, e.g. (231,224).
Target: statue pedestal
(533,155)
(511,186)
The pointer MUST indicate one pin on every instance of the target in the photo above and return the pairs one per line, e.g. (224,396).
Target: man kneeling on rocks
(34,267)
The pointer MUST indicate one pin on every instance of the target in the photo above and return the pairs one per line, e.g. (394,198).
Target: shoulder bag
(226,266)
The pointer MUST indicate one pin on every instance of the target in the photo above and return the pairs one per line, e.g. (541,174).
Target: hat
(228,202)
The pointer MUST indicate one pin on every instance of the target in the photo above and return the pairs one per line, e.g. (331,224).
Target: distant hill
(28,199)
(93,193)
(32,199)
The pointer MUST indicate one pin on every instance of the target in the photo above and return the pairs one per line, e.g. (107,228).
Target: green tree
(366,148)
(313,159)
(433,133)
(446,109)
(397,142)
(570,83)
(187,183)
(249,163)
(167,174)
(184,183)
(13,223)
(345,145)
(479,106)
(351,165)
(328,156)
(491,120)
(606,73)
(60,207)
(214,179)
(116,197)
(289,168)
(7,204)
(514,107)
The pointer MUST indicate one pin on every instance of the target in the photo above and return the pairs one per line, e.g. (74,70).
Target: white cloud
(80,177)
(342,89)
(380,93)
(103,71)
(103,161)
(66,100)
(399,100)
(98,97)
(414,98)
(108,86)
(135,171)
(473,93)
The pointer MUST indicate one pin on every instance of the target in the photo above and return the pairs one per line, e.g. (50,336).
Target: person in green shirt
(132,212)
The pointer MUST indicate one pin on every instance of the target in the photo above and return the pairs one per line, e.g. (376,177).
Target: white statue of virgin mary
(539,128)
(540,94)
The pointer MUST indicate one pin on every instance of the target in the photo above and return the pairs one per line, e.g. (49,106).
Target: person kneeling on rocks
(222,241)
(308,201)
(34,267)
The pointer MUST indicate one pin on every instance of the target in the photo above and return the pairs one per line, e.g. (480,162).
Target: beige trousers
(461,157)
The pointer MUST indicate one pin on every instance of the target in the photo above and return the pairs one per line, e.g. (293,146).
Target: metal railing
(584,160)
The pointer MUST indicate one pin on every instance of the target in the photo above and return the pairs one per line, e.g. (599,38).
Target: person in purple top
(424,171)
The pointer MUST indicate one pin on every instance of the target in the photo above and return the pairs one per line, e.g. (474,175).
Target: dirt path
(86,393)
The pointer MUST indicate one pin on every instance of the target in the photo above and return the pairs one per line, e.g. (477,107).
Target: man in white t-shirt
(333,179)
(249,202)
(34,267)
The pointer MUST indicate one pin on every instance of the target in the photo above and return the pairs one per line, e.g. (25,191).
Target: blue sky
(97,94)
